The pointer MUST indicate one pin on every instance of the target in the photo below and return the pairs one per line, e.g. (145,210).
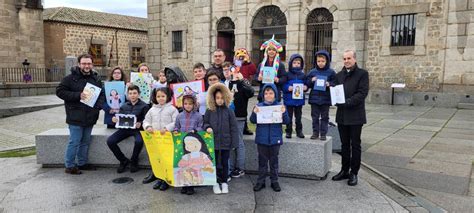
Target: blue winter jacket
(294,75)
(269,134)
(316,96)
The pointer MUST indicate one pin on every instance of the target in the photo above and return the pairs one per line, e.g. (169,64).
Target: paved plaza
(427,149)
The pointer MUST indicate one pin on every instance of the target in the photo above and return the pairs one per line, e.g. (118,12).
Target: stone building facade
(426,44)
(21,33)
(112,39)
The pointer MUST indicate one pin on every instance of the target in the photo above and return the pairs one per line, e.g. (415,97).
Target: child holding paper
(189,120)
(161,117)
(294,78)
(271,65)
(136,107)
(318,80)
(268,138)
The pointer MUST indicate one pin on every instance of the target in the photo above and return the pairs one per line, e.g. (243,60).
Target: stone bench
(298,157)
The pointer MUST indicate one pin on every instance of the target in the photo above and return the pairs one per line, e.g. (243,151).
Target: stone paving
(31,188)
(424,148)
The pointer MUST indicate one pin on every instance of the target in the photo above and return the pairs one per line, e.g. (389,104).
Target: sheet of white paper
(269,115)
(337,95)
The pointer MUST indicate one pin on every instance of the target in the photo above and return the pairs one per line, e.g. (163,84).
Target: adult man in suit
(351,115)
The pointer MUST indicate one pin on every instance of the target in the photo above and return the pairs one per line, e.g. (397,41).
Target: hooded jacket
(221,119)
(188,121)
(316,96)
(269,134)
(70,90)
(294,75)
(160,117)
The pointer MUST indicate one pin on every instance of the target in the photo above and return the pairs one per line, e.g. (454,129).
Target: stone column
(293,29)
(201,40)
(154,35)
(241,28)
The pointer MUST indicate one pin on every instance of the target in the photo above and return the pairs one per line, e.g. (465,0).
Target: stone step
(298,157)
(465,105)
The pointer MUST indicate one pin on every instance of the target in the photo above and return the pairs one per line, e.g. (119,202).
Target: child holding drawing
(293,94)
(268,138)
(161,117)
(319,96)
(189,120)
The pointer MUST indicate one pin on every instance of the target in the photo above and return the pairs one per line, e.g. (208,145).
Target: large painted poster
(145,82)
(182,159)
(186,88)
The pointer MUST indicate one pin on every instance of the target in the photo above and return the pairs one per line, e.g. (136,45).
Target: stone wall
(200,18)
(64,39)
(21,35)
(459,60)
(442,57)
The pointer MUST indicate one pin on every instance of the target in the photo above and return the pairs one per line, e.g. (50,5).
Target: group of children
(226,114)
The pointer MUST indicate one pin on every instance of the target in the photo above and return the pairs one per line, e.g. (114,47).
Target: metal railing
(30,75)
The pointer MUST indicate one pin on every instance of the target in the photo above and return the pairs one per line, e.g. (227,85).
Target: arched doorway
(268,21)
(318,34)
(226,37)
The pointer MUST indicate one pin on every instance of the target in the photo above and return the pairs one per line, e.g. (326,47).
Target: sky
(123,7)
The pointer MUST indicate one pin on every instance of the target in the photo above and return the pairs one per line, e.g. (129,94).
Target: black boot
(352,180)
(123,166)
(299,135)
(341,176)
(150,178)
(258,187)
(157,184)
(134,167)
(164,186)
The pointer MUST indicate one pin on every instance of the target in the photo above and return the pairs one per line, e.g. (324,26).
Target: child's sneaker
(323,137)
(314,136)
(237,173)
(225,188)
(217,189)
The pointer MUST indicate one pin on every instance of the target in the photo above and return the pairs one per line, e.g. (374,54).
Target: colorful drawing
(145,82)
(92,94)
(182,159)
(186,88)
(115,94)
(297,91)
(268,75)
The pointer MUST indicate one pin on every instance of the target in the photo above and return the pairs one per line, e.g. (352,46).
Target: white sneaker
(225,188)
(217,189)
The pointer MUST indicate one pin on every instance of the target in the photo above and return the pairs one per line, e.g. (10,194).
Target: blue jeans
(239,160)
(79,140)
(121,135)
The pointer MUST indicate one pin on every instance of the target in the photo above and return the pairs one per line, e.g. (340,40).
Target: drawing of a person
(195,160)
(297,91)
(115,100)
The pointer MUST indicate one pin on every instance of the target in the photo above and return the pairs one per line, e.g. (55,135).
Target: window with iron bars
(403,30)
(136,56)
(177,41)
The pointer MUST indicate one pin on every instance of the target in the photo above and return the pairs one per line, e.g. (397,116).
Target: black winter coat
(241,98)
(224,126)
(70,90)
(356,88)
